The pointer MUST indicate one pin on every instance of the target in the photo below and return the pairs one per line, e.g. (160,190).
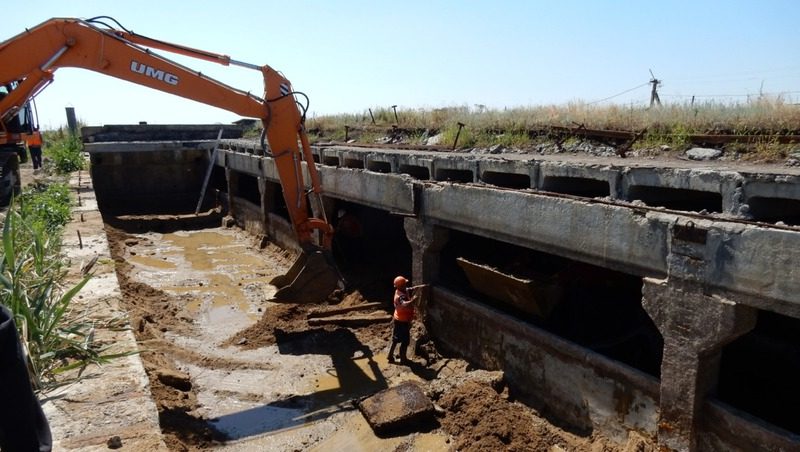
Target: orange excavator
(28,63)
(17,132)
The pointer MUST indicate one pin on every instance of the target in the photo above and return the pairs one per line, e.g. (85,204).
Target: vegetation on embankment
(63,151)
(33,278)
(521,127)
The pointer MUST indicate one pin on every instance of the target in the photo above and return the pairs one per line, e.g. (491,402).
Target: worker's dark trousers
(401,334)
(23,426)
(36,156)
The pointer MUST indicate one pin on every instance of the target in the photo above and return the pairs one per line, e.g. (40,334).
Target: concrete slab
(401,407)
(533,296)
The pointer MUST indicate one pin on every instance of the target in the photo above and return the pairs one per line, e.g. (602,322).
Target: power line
(619,94)
(732,95)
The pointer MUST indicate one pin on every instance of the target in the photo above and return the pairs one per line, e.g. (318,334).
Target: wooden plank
(330,312)
(351,320)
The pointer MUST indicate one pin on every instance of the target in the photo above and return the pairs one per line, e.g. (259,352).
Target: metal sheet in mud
(536,295)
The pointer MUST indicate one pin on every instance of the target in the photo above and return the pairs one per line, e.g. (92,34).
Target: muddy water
(214,268)
(291,396)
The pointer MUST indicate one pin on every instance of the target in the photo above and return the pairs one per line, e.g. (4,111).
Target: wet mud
(230,370)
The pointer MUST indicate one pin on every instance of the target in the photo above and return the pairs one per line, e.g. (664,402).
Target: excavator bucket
(312,277)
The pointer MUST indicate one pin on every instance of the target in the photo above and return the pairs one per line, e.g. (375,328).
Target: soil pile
(292,318)
(481,419)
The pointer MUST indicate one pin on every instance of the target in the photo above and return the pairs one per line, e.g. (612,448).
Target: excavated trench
(194,295)
(230,370)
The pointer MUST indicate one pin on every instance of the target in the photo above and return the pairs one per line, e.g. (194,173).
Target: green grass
(33,286)
(46,206)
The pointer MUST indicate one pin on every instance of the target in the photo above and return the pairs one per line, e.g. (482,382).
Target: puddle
(152,262)
(355,435)
(225,278)
(257,421)
(365,368)
(209,250)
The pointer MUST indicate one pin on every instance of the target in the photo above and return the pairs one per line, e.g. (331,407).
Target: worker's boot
(403,358)
(391,353)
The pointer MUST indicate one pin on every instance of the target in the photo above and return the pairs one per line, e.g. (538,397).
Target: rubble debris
(115,442)
(703,154)
(403,407)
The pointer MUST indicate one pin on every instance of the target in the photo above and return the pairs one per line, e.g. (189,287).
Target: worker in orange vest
(34,142)
(403,315)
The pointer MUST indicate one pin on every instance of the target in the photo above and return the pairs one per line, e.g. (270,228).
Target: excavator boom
(31,58)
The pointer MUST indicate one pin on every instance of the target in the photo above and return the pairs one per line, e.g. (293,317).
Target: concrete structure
(111,402)
(695,264)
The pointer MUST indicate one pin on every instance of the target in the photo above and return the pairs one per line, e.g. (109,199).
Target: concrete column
(266,190)
(426,242)
(232,177)
(695,327)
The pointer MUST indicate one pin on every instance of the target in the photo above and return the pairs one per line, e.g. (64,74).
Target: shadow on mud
(351,382)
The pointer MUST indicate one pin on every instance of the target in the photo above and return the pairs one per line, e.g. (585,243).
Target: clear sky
(352,55)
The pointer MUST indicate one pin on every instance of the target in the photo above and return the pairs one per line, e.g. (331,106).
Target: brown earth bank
(475,411)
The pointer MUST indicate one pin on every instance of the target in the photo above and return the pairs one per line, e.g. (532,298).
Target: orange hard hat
(400,282)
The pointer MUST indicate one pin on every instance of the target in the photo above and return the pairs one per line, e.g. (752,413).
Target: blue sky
(352,55)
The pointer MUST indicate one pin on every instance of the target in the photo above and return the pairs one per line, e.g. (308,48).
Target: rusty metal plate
(536,296)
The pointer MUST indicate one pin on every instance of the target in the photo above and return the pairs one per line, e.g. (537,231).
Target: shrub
(47,206)
(65,153)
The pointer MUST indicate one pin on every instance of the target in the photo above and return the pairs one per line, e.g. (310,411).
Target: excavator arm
(32,57)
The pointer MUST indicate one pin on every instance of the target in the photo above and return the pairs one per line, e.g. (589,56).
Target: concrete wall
(561,379)
(152,177)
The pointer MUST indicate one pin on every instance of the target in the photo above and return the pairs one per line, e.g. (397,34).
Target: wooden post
(72,122)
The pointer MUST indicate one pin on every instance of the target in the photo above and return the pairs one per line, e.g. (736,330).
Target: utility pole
(654,93)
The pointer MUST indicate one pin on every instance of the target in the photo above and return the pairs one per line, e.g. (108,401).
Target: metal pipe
(247,65)
(53,58)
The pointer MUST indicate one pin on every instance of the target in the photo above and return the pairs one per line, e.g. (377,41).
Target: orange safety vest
(35,140)
(402,313)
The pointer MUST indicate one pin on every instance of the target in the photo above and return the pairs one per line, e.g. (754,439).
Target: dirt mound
(284,317)
(292,318)
(481,419)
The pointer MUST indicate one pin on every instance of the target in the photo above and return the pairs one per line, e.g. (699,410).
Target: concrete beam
(596,233)
(382,191)
(144,146)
